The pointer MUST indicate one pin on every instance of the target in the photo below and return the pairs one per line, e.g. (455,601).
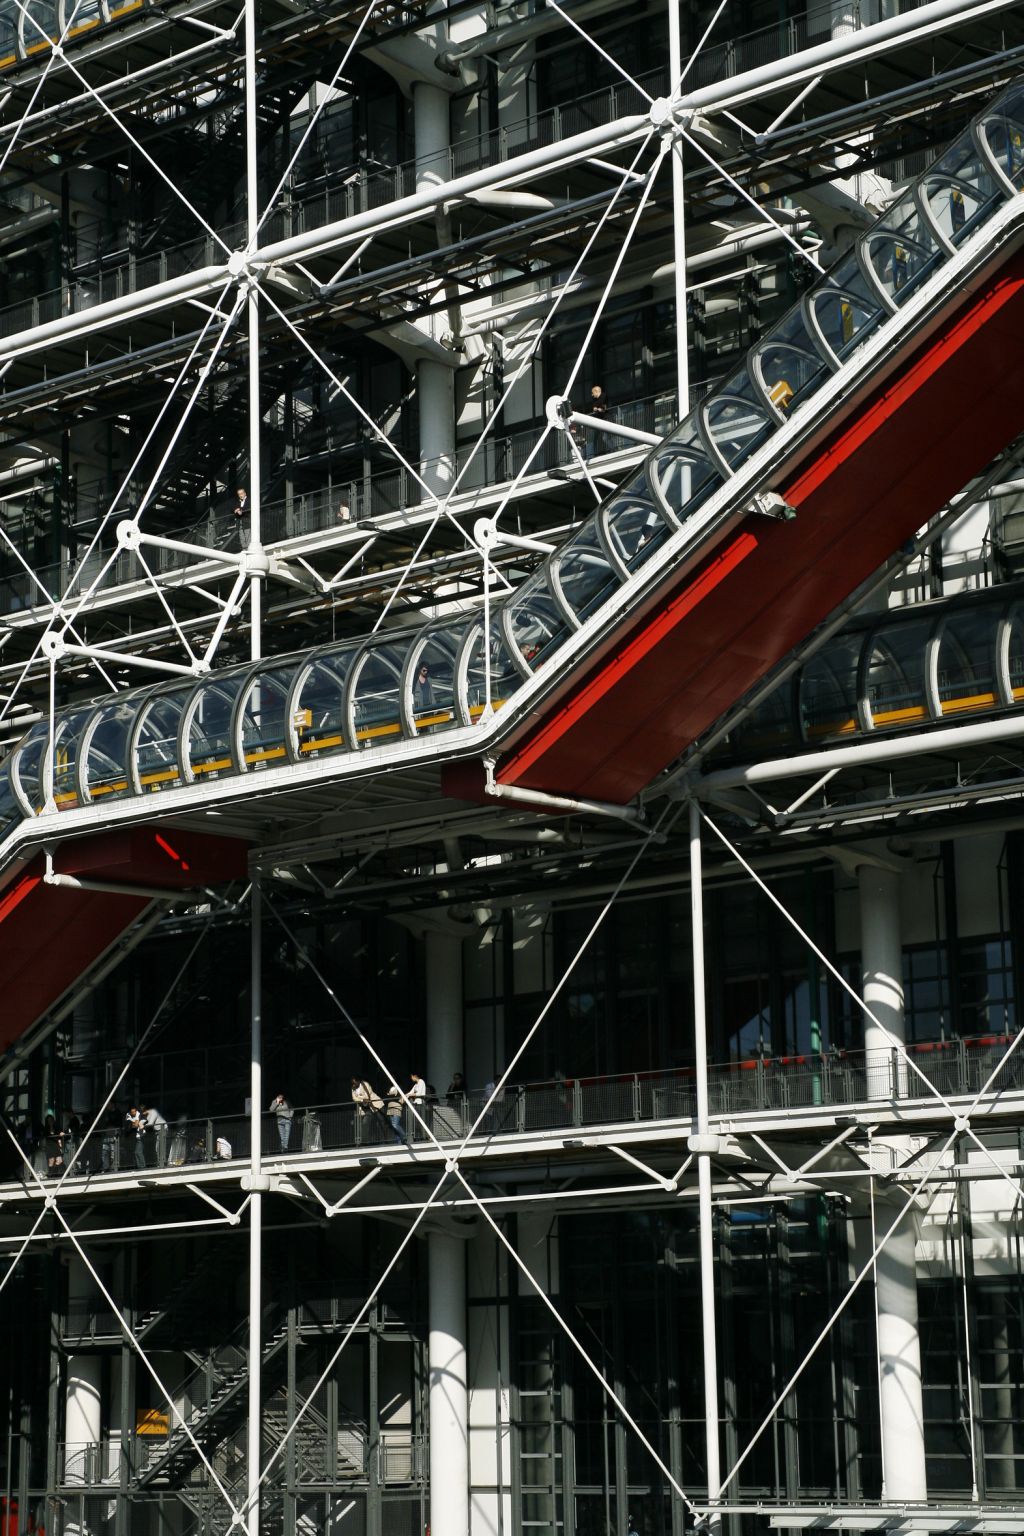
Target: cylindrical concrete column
(899,1354)
(446,1347)
(901,1404)
(449,1399)
(83,1417)
(882,972)
(435,381)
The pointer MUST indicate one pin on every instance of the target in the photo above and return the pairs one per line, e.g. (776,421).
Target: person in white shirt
(155,1122)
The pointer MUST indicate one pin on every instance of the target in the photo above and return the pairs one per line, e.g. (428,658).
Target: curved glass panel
(680,473)
(8,36)
(318,703)
(635,527)
(788,363)
(377,693)
(263,722)
(431,687)
(966,662)
(505,675)
(1003,131)
(80,13)
(104,750)
(737,419)
(156,765)
(10,811)
(961,190)
(846,319)
(536,622)
(27,767)
(902,249)
(38,24)
(828,690)
(66,738)
(584,573)
(894,679)
(208,727)
(1015,652)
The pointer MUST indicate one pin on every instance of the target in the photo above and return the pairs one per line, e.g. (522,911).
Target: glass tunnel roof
(396,687)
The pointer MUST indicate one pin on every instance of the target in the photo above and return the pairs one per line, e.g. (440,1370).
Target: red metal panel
(161,856)
(48,937)
(953,406)
(49,934)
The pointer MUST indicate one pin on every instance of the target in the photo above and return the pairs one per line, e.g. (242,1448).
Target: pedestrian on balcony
(365,1098)
(393,1110)
(596,406)
(135,1130)
(54,1147)
(456,1089)
(157,1125)
(344,513)
(240,514)
(284,1114)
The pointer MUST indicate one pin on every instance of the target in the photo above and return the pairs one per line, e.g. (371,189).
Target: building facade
(490,1044)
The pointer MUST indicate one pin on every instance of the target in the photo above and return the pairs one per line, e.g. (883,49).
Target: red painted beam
(50,935)
(890,466)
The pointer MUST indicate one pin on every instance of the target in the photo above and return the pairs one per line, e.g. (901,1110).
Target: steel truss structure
(313,315)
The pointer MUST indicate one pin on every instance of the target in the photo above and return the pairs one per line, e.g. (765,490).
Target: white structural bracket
(489,537)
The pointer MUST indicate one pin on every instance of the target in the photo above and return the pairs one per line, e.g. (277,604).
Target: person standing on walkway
(154,1121)
(284,1114)
(393,1110)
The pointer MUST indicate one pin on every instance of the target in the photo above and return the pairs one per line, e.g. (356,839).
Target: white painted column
(447,1329)
(83,1421)
(901,1405)
(435,381)
(882,978)
(449,1400)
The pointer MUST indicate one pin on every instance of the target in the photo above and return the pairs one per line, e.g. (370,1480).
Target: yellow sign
(152,1421)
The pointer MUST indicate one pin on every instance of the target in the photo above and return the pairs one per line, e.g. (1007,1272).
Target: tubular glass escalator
(446,674)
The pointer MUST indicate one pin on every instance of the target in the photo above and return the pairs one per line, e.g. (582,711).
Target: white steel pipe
(615,429)
(253,358)
(675,75)
(941,739)
(256,1181)
(701,1146)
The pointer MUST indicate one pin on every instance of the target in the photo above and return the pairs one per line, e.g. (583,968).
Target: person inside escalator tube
(282,1110)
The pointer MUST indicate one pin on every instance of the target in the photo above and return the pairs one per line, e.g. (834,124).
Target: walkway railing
(833,1079)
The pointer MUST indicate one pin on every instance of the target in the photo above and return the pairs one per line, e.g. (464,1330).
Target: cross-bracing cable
(133,141)
(897,1045)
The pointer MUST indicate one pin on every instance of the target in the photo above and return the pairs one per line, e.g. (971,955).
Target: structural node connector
(128,536)
(698,1144)
(670,116)
(53,644)
(558,412)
